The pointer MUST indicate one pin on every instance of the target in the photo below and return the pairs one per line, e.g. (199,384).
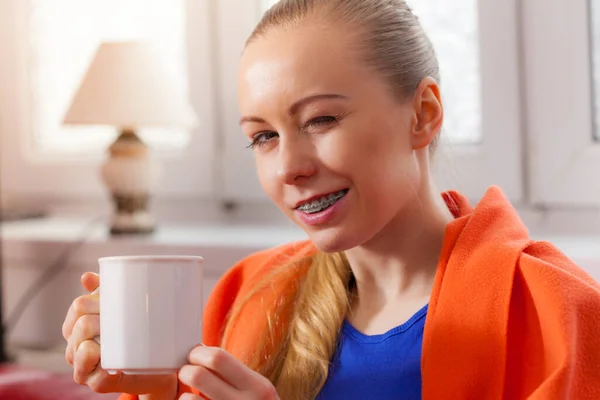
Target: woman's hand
(219,376)
(81,325)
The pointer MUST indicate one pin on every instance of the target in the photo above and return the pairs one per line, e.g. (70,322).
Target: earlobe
(429,113)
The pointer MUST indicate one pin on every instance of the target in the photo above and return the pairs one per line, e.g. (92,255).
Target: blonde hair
(304,329)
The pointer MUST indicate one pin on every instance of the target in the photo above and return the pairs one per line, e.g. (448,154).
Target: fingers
(207,383)
(87,304)
(226,366)
(86,327)
(90,281)
(101,382)
(86,360)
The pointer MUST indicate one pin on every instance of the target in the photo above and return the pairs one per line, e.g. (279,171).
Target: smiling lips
(319,203)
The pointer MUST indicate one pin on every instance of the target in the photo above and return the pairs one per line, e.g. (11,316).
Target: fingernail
(184,374)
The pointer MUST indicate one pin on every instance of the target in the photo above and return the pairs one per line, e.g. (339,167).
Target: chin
(332,240)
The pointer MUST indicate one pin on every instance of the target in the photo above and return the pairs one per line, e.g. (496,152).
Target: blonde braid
(321,307)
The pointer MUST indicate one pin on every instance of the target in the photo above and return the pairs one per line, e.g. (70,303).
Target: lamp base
(132,216)
(130,174)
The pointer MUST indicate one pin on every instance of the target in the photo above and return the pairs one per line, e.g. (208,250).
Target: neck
(401,260)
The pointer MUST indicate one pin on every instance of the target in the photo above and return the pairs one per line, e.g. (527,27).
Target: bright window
(46,47)
(266,4)
(452,27)
(64,35)
(561,49)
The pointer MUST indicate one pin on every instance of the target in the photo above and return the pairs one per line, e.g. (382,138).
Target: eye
(261,139)
(320,121)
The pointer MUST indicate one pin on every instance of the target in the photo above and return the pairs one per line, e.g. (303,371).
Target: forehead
(296,61)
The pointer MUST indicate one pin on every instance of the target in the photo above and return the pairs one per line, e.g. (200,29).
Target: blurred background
(119,135)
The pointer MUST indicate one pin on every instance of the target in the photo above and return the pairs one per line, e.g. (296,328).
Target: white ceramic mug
(150,312)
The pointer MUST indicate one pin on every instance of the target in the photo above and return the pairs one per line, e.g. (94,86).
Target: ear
(428,113)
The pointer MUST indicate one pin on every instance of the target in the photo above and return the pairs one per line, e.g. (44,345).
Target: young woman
(401,292)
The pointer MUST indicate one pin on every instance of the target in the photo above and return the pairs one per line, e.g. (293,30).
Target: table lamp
(128,86)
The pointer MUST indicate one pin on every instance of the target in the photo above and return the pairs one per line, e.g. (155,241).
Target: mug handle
(96,291)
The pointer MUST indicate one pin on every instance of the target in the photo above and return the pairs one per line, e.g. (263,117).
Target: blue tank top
(382,367)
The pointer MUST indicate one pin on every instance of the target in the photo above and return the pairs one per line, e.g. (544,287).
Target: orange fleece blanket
(509,318)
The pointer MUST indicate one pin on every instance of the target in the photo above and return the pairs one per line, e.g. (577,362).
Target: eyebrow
(299,104)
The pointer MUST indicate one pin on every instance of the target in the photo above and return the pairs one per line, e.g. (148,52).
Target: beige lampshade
(128,85)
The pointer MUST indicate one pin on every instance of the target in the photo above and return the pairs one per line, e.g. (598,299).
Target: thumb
(90,281)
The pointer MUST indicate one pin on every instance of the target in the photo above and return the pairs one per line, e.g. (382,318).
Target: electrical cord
(48,274)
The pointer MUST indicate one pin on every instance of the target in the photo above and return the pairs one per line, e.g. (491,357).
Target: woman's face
(335,150)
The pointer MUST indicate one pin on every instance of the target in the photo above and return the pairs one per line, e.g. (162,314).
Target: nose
(295,161)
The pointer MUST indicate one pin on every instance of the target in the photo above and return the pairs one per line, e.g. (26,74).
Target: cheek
(382,166)
(267,177)
(366,149)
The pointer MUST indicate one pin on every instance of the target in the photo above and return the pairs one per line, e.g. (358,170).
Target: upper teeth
(323,202)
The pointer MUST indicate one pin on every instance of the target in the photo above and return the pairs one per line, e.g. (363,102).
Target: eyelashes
(324,120)
(263,138)
(260,139)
